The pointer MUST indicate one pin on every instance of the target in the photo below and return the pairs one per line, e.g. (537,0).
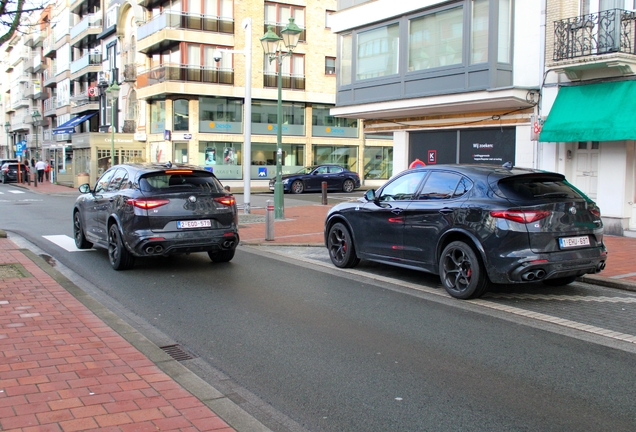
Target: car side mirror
(85,188)
(370,195)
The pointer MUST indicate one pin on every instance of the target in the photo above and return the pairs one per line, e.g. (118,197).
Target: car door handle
(446,210)
(111,199)
(397,210)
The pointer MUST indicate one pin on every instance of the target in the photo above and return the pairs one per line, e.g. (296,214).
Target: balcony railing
(186,21)
(608,31)
(92,21)
(185,73)
(83,99)
(289,81)
(86,61)
(49,106)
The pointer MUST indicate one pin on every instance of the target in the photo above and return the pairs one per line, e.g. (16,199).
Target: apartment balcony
(289,81)
(603,42)
(29,92)
(39,92)
(37,62)
(20,123)
(20,102)
(171,28)
(85,32)
(48,46)
(90,63)
(170,79)
(49,107)
(130,72)
(82,103)
(48,76)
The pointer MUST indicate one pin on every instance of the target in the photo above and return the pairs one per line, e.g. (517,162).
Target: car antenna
(507,165)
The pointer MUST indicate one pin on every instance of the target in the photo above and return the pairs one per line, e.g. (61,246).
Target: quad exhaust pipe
(537,274)
(600,267)
(228,244)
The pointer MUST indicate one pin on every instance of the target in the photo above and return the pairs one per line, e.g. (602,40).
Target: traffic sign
(20,147)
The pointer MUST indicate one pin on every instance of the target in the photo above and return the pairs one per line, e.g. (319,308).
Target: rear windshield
(541,188)
(166,181)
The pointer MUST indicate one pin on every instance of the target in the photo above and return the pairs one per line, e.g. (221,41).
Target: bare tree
(12,13)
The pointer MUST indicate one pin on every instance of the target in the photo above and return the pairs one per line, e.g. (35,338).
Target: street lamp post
(273,50)
(113,92)
(36,118)
(7,126)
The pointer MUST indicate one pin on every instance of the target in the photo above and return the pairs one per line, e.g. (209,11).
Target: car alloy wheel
(78,231)
(340,245)
(297,187)
(118,255)
(461,271)
(348,186)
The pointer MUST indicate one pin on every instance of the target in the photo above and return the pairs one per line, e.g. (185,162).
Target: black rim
(77,225)
(458,270)
(113,244)
(338,245)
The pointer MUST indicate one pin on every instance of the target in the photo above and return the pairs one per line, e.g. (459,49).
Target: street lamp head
(270,42)
(113,91)
(291,34)
(36,115)
(7,126)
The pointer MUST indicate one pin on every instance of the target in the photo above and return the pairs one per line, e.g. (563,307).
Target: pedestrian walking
(47,169)
(40,166)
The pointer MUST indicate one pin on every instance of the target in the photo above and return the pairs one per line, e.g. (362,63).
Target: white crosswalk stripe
(65,242)
(16,191)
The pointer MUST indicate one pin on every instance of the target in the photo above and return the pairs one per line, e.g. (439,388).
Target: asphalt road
(304,346)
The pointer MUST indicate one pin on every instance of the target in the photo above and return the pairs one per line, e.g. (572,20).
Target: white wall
(400,151)
(525,148)
(378,10)
(527,54)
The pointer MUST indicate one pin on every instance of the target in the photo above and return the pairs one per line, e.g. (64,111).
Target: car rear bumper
(171,243)
(539,267)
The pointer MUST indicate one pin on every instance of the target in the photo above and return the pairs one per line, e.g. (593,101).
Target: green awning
(593,112)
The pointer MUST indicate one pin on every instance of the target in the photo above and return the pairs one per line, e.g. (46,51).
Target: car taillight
(226,200)
(148,203)
(521,216)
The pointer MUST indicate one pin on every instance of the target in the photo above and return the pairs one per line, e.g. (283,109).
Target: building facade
(178,103)
(589,101)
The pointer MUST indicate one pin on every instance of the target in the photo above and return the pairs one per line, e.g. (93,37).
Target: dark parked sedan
(9,172)
(473,225)
(310,179)
(141,210)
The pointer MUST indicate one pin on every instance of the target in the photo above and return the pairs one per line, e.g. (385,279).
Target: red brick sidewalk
(63,369)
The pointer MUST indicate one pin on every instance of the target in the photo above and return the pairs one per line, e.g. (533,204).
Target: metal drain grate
(177,353)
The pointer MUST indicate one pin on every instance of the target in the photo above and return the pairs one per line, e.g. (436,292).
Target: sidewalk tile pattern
(63,369)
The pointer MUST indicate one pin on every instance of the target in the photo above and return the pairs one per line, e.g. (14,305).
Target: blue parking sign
(20,146)
(262,172)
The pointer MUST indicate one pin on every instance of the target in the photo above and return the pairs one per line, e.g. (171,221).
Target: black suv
(9,172)
(139,210)
(473,225)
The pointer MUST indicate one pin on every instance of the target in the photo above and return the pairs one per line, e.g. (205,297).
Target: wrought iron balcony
(608,31)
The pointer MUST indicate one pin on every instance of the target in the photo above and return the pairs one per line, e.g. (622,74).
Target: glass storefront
(325,125)
(378,162)
(181,116)
(224,159)
(220,115)
(158,117)
(346,156)
(264,118)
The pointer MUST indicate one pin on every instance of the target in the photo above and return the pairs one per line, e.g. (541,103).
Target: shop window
(181,115)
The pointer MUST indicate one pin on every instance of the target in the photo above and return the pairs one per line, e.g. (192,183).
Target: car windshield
(166,181)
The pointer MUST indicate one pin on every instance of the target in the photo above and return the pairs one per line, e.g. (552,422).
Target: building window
(224,157)
(378,162)
(479,32)
(277,15)
(158,117)
(330,66)
(435,40)
(264,118)
(220,115)
(377,52)
(346,156)
(292,71)
(320,117)
(181,114)
(346,55)
(504,34)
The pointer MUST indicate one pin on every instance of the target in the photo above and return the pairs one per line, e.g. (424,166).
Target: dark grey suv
(473,225)
(139,210)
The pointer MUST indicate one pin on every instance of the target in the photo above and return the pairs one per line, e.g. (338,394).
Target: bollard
(269,220)
(324,193)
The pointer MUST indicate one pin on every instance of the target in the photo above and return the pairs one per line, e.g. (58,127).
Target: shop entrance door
(586,159)
(181,153)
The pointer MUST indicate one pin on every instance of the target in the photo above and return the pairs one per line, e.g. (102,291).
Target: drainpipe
(542,51)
